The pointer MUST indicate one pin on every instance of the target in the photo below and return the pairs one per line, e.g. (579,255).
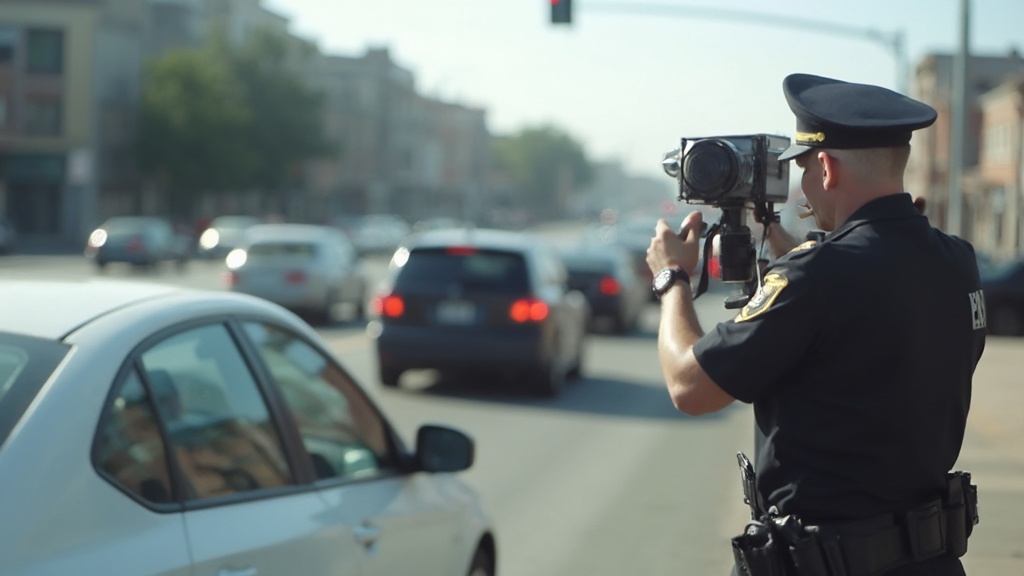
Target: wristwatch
(667,278)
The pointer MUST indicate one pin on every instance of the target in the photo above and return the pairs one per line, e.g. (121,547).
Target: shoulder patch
(770,289)
(804,246)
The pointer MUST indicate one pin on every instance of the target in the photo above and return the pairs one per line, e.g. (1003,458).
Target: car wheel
(389,375)
(482,564)
(1004,320)
(549,378)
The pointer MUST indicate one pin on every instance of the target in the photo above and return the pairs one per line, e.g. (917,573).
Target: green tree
(545,165)
(287,124)
(192,129)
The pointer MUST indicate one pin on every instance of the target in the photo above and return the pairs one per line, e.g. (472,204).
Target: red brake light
(390,306)
(231,278)
(295,277)
(528,310)
(460,250)
(609,286)
(136,244)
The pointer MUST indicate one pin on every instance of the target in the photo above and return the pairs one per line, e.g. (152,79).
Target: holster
(757,553)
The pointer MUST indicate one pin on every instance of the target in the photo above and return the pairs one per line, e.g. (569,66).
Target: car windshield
(25,365)
(438,269)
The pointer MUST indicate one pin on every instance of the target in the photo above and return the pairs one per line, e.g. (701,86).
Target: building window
(8,39)
(42,117)
(45,52)
(3,112)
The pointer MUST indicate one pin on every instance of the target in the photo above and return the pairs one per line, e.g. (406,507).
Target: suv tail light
(295,277)
(609,286)
(136,244)
(389,306)
(528,310)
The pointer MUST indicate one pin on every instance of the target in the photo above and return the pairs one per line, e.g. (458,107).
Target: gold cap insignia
(810,137)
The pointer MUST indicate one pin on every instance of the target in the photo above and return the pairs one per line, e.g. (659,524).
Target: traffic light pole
(892,41)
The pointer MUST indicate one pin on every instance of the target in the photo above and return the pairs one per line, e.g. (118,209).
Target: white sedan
(147,429)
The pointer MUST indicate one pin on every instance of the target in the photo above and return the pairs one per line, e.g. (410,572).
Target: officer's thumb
(693,224)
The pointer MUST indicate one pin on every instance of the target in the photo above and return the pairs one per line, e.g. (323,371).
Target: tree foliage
(219,119)
(545,166)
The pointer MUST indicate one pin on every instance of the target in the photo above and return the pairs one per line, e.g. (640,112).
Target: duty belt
(777,545)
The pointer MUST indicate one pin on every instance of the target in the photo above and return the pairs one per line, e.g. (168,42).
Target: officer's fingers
(692,226)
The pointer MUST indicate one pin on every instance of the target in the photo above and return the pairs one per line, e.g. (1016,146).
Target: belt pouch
(808,558)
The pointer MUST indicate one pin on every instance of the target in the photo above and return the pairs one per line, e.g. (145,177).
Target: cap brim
(793,151)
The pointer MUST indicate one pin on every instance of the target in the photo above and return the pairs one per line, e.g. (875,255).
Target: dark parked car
(223,235)
(607,276)
(1004,298)
(8,236)
(137,240)
(480,299)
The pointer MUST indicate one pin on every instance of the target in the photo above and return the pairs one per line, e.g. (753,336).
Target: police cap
(841,115)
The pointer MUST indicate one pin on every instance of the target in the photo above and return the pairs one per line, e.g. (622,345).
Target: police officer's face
(811,183)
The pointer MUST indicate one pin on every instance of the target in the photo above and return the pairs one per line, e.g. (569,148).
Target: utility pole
(958,123)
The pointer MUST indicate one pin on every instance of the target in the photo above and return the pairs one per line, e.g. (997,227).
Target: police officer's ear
(829,164)
(919,203)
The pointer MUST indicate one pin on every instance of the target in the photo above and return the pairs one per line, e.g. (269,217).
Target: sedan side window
(129,447)
(342,432)
(219,428)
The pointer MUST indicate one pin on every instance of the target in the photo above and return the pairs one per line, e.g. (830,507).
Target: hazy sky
(629,77)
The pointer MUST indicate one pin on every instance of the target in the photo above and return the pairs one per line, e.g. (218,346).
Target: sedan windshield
(25,365)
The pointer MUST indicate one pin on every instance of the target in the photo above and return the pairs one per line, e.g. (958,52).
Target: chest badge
(764,298)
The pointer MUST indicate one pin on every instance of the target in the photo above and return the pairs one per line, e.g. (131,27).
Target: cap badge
(810,136)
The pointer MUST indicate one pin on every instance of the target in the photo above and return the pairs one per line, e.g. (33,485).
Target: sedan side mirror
(443,449)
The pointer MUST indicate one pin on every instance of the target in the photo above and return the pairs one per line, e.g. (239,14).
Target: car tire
(549,378)
(482,564)
(1004,320)
(389,375)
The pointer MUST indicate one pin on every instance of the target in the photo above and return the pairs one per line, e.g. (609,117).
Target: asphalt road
(608,479)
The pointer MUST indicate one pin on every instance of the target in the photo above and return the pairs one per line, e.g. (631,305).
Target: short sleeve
(750,353)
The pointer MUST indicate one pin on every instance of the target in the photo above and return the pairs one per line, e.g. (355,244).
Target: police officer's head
(851,140)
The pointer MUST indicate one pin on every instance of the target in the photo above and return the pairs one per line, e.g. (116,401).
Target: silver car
(306,268)
(153,430)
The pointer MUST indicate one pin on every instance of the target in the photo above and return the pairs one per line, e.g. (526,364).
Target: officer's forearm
(679,328)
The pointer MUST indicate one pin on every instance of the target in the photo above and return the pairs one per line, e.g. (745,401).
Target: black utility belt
(783,545)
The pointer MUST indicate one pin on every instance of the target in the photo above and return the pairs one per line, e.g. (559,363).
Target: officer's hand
(670,249)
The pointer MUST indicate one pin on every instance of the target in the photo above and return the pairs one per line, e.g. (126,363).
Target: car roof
(289,232)
(43,309)
(482,238)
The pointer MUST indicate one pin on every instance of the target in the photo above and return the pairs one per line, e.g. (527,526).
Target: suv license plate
(456,312)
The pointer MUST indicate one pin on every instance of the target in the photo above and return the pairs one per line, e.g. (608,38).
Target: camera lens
(711,168)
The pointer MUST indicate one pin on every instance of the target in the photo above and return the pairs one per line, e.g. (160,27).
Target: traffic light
(561,11)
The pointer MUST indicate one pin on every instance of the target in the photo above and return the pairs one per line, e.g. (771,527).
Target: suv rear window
(486,270)
(281,250)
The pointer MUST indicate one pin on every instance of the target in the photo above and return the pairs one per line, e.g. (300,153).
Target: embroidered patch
(978,316)
(806,245)
(765,297)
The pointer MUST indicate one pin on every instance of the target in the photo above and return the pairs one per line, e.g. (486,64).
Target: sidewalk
(993,452)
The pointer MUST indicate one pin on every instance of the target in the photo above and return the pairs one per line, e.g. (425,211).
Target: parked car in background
(144,241)
(223,235)
(8,236)
(378,233)
(607,276)
(1003,287)
(307,268)
(480,300)
(151,429)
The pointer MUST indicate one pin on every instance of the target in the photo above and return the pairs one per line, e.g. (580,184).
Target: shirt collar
(893,206)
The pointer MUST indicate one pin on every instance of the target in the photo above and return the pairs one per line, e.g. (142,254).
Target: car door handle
(246,571)
(366,534)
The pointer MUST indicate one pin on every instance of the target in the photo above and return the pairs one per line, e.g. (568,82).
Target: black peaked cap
(841,115)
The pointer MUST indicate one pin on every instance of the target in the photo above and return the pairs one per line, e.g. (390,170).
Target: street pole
(894,42)
(958,121)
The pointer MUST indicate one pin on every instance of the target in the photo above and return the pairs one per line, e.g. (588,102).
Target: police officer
(857,351)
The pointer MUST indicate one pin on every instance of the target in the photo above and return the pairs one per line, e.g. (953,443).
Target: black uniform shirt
(857,354)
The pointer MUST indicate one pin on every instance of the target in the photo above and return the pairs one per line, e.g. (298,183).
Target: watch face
(662,280)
